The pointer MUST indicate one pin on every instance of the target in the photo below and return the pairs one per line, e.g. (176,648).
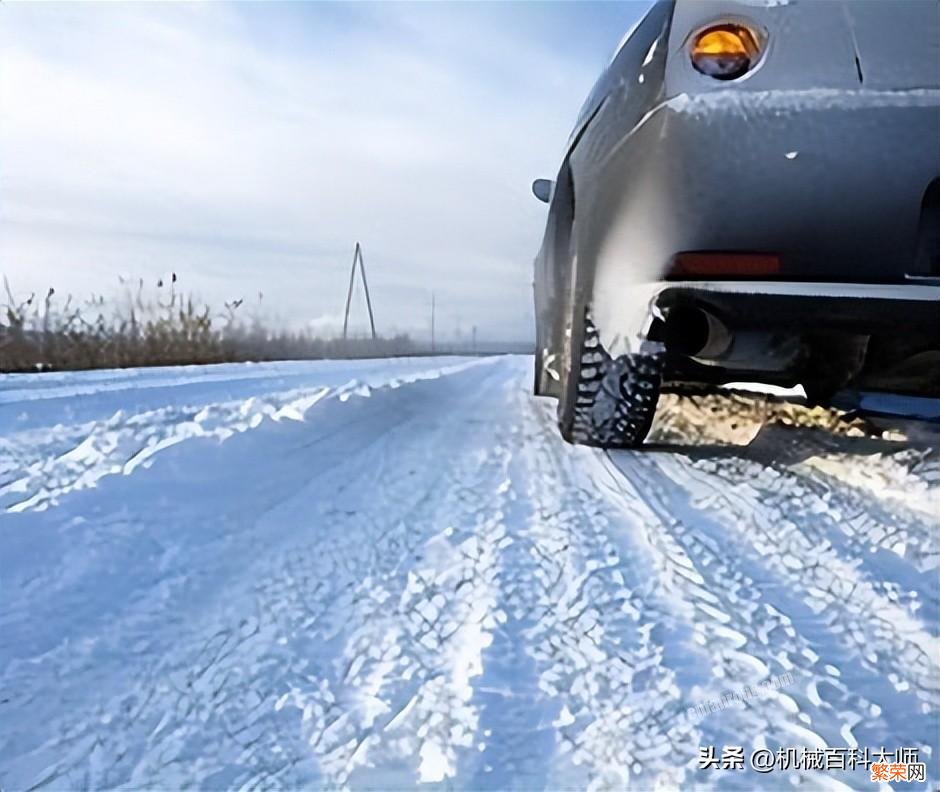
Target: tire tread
(616,398)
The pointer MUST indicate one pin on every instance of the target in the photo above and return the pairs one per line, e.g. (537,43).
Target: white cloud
(249,147)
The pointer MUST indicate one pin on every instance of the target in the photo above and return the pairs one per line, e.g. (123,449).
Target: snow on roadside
(36,478)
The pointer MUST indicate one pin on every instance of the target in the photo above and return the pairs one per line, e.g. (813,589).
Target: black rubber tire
(819,393)
(833,361)
(607,402)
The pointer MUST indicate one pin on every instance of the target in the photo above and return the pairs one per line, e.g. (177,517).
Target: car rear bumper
(831,182)
(849,307)
(625,321)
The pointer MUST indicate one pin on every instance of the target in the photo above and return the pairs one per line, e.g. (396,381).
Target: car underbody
(825,337)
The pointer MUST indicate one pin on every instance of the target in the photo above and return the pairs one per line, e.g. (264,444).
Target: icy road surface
(379,574)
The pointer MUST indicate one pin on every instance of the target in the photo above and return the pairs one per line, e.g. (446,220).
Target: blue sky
(249,146)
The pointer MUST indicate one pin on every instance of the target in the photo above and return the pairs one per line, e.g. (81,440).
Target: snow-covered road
(381,573)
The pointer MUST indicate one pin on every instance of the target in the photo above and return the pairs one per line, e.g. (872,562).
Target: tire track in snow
(594,630)
(403,700)
(796,530)
(208,709)
(740,617)
(392,700)
(515,734)
(828,707)
(906,480)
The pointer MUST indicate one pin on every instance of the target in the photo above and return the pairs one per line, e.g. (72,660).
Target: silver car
(751,193)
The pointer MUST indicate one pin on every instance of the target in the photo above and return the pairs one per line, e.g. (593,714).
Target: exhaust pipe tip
(695,332)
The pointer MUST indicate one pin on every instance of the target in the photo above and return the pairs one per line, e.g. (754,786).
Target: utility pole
(432,322)
(473,344)
(357,258)
(365,285)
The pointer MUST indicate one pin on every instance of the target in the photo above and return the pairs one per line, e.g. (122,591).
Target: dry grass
(156,327)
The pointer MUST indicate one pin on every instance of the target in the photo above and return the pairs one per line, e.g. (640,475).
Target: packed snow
(390,574)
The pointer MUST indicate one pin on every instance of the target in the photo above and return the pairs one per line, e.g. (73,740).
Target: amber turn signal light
(726,51)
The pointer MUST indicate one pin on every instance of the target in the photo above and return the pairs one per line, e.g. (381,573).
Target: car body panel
(786,193)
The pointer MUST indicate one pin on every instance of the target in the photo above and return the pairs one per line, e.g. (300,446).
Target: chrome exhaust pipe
(699,334)
(696,333)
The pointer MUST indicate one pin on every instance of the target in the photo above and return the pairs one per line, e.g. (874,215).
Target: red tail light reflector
(705,265)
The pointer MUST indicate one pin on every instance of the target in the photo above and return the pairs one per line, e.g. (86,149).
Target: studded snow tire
(614,398)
